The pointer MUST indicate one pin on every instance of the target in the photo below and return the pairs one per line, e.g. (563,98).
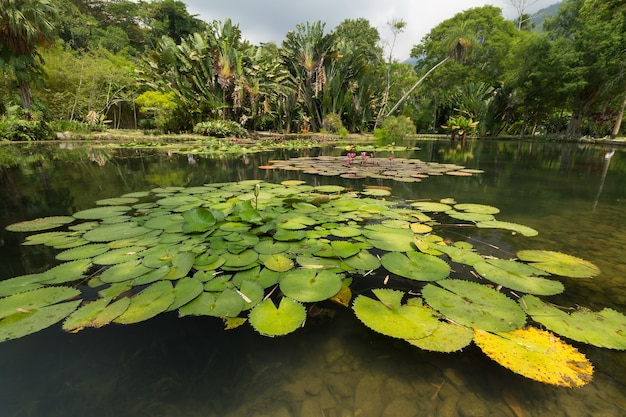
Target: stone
(368,397)
(400,407)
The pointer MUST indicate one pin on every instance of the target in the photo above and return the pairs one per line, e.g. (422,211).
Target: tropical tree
(305,52)
(25,26)
(593,52)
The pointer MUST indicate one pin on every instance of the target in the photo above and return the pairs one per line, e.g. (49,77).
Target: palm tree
(25,25)
(458,52)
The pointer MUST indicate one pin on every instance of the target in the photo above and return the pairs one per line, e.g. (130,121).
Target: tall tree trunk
(620,117)
(26,94)
(408,93)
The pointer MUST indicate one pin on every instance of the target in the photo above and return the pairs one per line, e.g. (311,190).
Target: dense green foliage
(150,64)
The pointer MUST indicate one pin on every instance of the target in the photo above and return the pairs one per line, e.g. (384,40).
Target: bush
(19,126)
(220,129)
(332,123)
(395,128)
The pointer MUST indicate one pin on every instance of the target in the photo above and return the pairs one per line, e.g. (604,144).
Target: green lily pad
(446,337)
(224,304)
(45,223)
(330,189)
(278,262)
(460,255)
(476,208)
(33,300)
(21,323)
(21,283)
(431,206)
(416,265)
(518,277)
(308,285)
(186,290)
(363,261)
(282,235)
(99,213)
(124,271)
(115,231)
(96,313)
(388,239)
(269,320)
(151,301)
(270,247)
(474,305)
(67,272)
(514,227)
(470,217)
(558,263)
(244,258)
(117,256)
(198,220)
(388,316)
(83,252)
(117,201)
(605,328)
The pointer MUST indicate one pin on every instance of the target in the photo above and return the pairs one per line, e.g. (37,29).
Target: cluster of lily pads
(364,164)
(262,253)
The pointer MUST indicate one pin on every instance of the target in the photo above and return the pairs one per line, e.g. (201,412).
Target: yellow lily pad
(538,355)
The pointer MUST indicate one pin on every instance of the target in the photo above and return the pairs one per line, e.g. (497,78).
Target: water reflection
(572,194)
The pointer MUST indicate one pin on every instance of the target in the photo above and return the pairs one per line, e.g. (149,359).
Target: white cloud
(270,20)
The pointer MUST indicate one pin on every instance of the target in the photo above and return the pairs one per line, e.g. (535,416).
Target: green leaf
(308,285)
(605,328)
(278,262)
(21,324)
(198,220)
(416,265)
(514,227)
(151,301)
(95,314)
(269,320)
(559,263)
(513,275)
(474,305)
(391,318)
(45,223)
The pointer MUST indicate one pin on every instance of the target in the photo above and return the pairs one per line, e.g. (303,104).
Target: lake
(573,194)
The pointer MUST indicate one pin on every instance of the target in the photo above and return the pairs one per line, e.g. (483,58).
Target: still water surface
(573,194)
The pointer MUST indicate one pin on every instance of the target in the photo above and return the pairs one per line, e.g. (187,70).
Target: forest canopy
(152,65)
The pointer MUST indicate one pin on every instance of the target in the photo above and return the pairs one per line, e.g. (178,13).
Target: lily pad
(558,263)
(96,313)
(474,305)
(389,316)
(270,320)
(538,355)
(151,301)
(23,323)
(605,328)
(514,227)
(446,337)
(278,262)
(83,252)
(416,265)
(99,213)
(308,285)
(44,223)
(513,275)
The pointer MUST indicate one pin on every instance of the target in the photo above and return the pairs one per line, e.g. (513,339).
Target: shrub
(18,126)
(220,129)
(332,123)
(394,128)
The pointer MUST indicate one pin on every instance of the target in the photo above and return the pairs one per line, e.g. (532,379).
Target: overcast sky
(269,20)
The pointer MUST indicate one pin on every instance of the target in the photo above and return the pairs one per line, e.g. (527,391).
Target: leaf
(474,305)
(514,227)
(35,299)
(151,301)
(308,285)
(416,265)
(125,271)
(269,320)
(391,318)
(44,223)
(538,355)
(559,263)
(21,324)
(198,220)
(186,290)
(605,328)
(82,252)
(95,314)
(446,337)
(514,276)
(278,262)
